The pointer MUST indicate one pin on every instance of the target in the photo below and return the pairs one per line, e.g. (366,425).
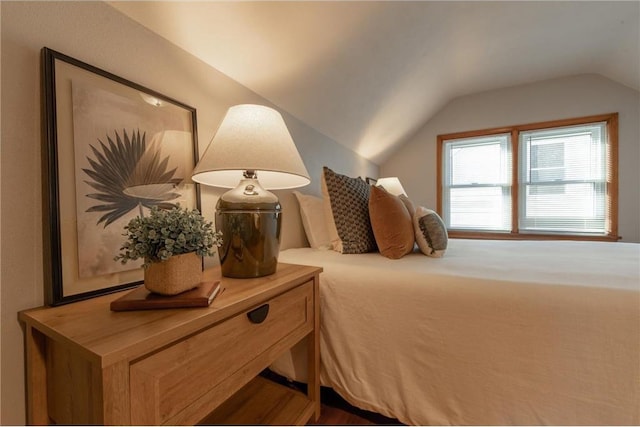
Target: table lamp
(392,185)
(252,151)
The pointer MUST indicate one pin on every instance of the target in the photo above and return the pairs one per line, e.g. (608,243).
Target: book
(142,299)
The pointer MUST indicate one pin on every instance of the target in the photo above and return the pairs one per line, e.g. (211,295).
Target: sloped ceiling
(369,74)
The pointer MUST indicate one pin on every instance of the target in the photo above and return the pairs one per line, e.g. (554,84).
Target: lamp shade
(392,185)
(256,138)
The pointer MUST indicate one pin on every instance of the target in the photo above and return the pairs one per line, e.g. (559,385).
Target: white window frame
(503,164)
(592,224)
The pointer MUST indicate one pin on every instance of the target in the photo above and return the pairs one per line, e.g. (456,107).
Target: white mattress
(494,333)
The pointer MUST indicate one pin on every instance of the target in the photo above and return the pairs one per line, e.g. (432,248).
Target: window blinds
(563,180)
(477,183)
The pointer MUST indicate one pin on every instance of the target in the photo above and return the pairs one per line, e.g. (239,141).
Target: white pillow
(313,220)
(431,233)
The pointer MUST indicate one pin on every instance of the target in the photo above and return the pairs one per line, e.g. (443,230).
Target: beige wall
(96,33)
(584,95)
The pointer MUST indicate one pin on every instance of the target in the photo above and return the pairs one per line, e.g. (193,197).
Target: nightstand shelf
(89,365)
(263,402)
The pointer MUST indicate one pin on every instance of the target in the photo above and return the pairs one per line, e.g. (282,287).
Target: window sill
(454,234)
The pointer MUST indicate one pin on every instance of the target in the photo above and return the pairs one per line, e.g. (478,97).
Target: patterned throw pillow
(431,233)
(346,205)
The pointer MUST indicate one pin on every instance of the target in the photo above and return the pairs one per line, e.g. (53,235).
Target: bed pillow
(431,233)
(313,220)
(391,223)
(346,207)
(408,203)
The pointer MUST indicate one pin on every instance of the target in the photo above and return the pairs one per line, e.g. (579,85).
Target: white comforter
(494,333)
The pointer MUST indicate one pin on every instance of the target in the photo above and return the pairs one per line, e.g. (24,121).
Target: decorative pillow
(431,233)
(408,203)
(313,220)
(391,223)
(346,207)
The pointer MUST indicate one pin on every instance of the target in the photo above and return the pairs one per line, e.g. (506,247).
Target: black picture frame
(108,144)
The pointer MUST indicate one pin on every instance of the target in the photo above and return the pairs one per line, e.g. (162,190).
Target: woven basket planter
(175,275)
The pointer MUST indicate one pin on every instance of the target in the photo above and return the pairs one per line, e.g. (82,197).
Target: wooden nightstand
(89,365)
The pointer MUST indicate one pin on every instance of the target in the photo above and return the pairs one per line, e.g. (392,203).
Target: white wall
(584,95)
(96,33)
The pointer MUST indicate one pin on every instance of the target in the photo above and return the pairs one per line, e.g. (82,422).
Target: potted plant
(172,243)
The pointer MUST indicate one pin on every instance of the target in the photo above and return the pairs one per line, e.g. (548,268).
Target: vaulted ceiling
(370,74)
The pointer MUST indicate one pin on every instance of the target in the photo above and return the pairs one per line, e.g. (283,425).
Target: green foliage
(165,233)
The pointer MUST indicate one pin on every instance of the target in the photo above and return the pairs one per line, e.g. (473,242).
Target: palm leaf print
(123,164)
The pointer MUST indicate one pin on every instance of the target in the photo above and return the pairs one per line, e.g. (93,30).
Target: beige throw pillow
(313,220)
(408,203)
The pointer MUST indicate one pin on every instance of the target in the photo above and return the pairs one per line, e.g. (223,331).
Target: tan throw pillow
(346,206)
(391,223)
(408,203)
(431,233)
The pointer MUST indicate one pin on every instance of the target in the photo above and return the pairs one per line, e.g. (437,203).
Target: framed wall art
(113,149)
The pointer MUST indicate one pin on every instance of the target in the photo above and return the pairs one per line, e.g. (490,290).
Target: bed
(493,333)
(432,330)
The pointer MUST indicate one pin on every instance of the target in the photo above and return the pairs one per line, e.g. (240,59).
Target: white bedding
(494,333)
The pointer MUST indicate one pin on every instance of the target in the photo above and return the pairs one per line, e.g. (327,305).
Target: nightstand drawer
(167,382)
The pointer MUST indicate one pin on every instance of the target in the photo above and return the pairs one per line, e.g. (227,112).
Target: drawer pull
(259,314)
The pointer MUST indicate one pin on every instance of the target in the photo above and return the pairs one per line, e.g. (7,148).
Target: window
(478,181)
(544,180)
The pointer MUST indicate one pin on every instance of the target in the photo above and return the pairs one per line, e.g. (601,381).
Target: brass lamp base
(251,243)
(249,218)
